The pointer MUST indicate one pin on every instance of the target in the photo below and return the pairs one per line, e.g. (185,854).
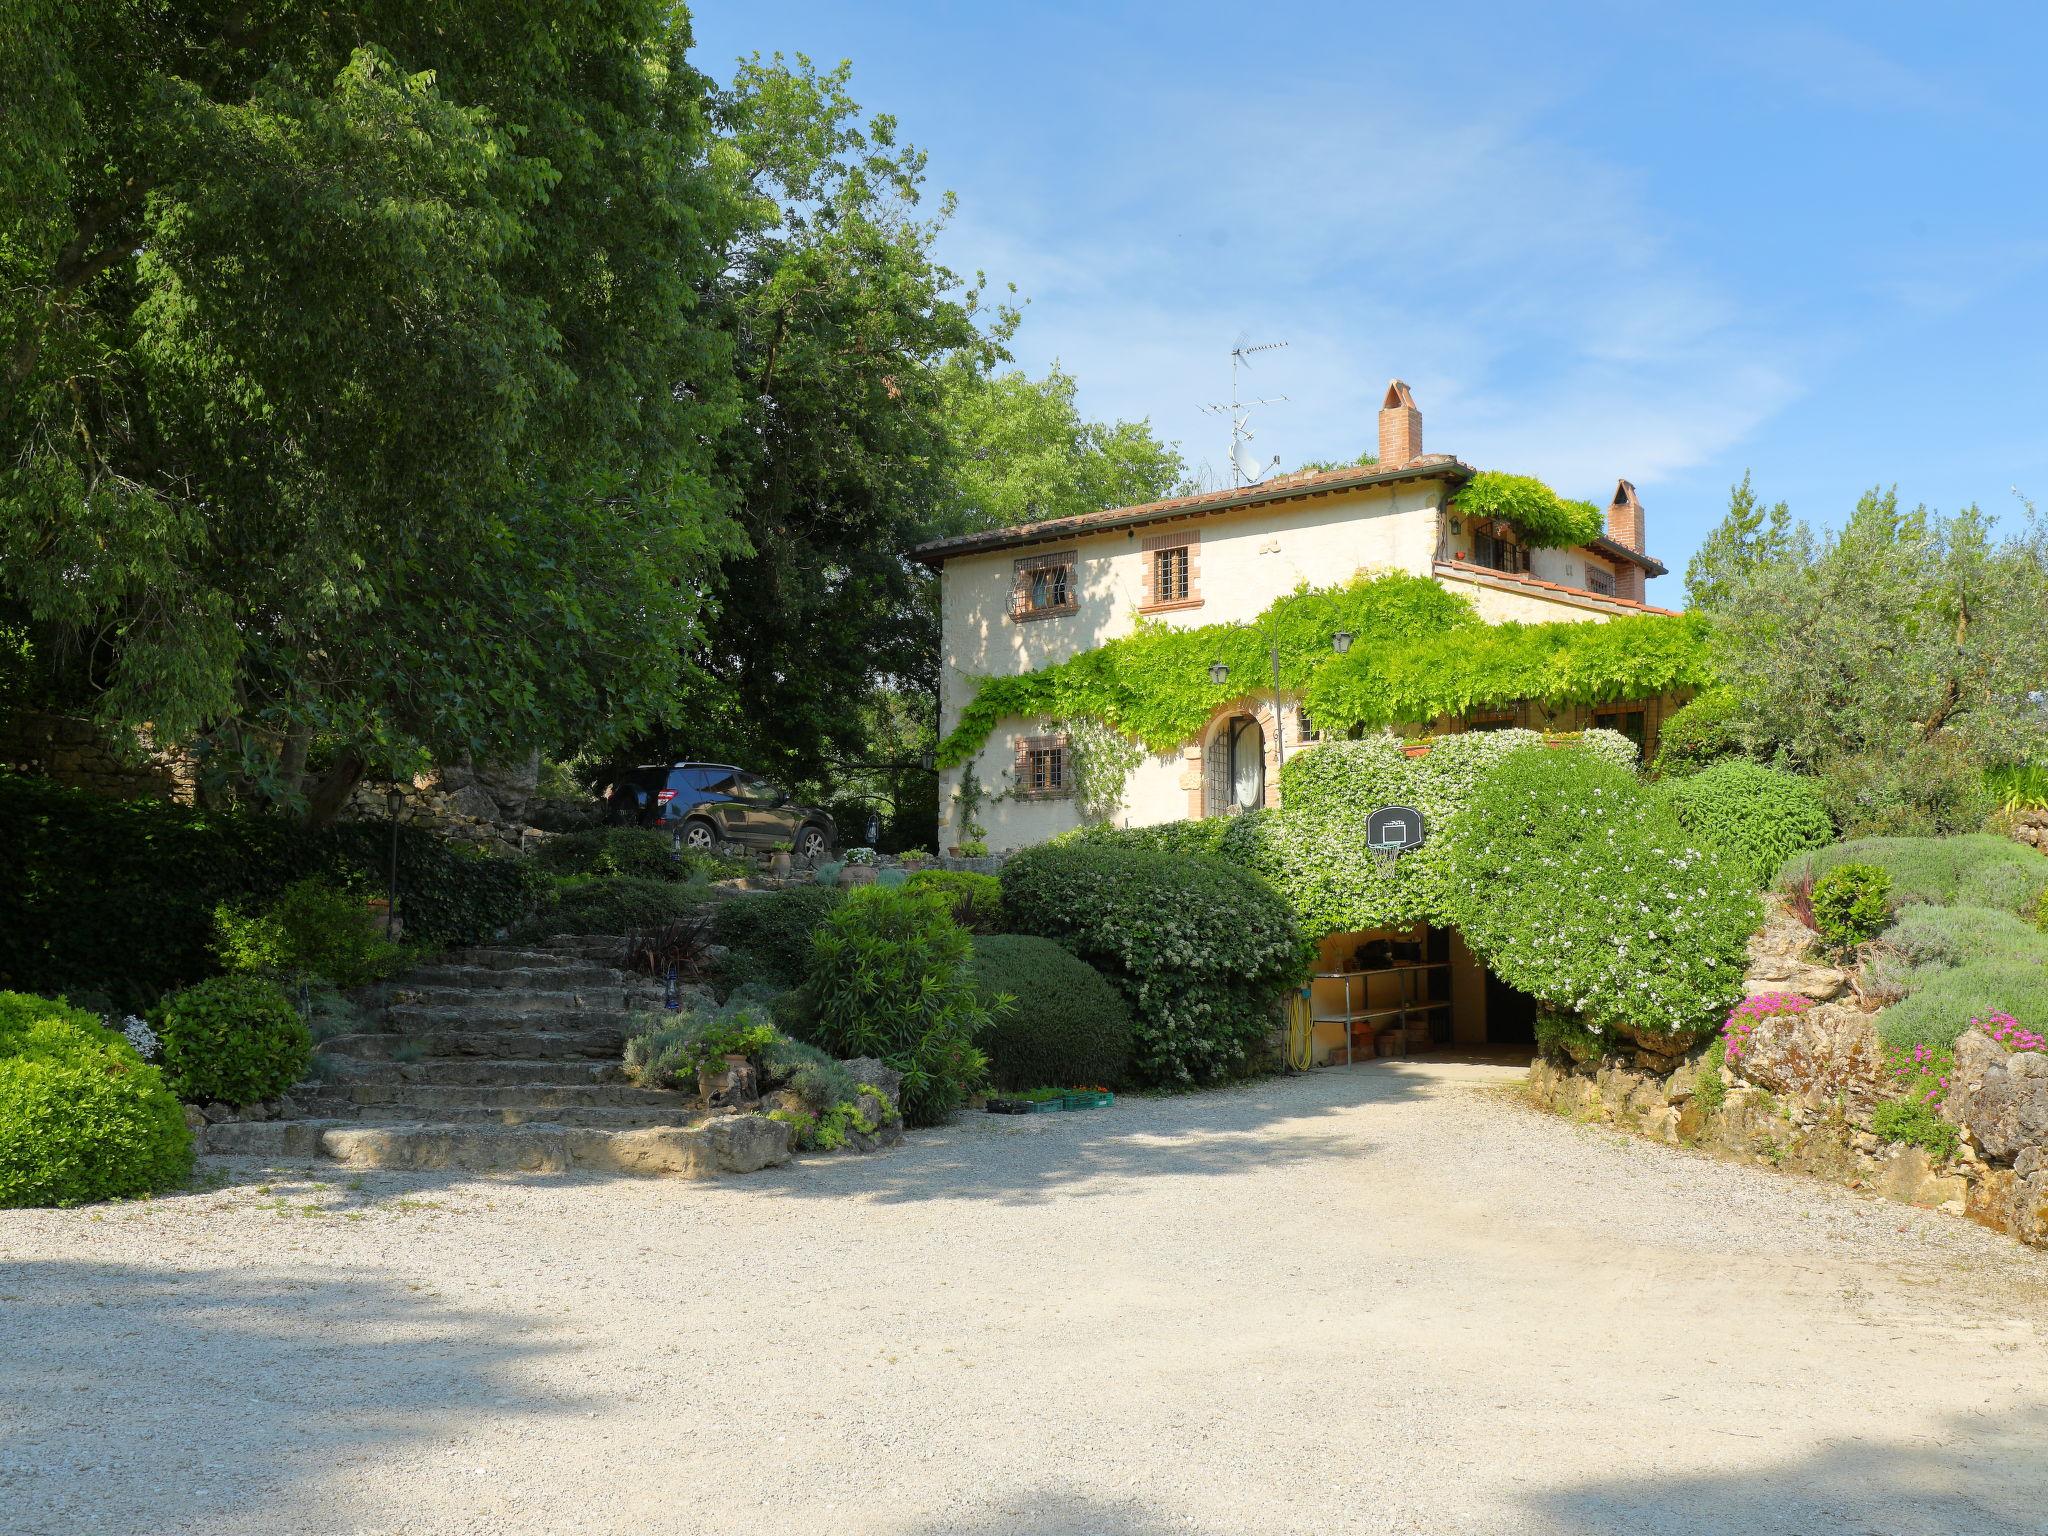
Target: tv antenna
(1245,468)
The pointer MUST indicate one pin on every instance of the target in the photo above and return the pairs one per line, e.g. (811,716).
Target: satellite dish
(1248,463)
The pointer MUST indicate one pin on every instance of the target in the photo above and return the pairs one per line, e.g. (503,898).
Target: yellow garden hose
(1301,1032)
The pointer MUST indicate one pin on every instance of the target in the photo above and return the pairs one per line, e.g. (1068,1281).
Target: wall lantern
(1340,642)
(1219,674)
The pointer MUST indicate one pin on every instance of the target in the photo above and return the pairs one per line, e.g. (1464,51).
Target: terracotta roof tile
(1485,576)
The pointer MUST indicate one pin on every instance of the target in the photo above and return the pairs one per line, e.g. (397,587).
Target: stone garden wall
(76,754)
(1801,1095)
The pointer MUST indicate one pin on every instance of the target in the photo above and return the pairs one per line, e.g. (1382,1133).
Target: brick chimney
(1625,526)
(1400,427)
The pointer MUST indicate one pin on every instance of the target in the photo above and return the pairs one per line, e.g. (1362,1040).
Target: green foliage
(1952,964)
(1312,850)
(1544,518)
(1758,816)
(1707,1086)
(1209,835)
(670,1052)
(237,1039)
(1419,652)
(977,900)
(1700,732)
(1564,1037)
(143,923)
(1749,539)
(1901,640)
(1916,1124)
(1575,883)
(1065,1023)
(769,935)
(1202,950)
(81,1117)
(1975,871)
(1025,453)
(2018,786)
(1852,903)
(1926,789)
(315,930)
(890,979)
(393,513)
(613,904)
(641,852)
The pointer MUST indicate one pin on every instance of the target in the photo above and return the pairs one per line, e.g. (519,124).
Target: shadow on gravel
(1975,1476)
(1024,1159)
(137,1399)
(1053,1512)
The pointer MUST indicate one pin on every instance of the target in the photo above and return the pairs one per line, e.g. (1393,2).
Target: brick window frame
(1043,769)
(1060,588)
(1159,552)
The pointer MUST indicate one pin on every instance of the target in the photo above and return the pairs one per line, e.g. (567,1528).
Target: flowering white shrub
(143,1038)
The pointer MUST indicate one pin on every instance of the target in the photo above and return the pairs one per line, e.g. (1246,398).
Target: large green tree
(1749,537)
(360,396)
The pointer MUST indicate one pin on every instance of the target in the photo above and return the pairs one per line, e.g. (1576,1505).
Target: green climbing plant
(1544,518)
(1418,651)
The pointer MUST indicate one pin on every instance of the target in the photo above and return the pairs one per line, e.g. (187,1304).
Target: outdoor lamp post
(1219,673)
(1340,642)
(394,802)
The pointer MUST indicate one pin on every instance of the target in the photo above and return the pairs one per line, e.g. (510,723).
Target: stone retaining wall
(77,754)
(1801,1095)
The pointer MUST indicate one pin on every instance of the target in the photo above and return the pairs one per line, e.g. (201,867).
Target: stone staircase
(503,1058)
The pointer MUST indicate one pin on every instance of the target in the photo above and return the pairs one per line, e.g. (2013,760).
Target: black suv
(713,803)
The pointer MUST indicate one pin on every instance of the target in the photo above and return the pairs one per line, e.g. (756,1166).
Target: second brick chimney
(1400,427)
(1624,515)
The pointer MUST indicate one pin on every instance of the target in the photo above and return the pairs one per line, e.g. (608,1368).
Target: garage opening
(1406,991)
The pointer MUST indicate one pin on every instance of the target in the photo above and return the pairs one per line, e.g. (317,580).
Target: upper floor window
(1599,581)
(1496,548)
(1172,575)
(1044,586)
(1042,768)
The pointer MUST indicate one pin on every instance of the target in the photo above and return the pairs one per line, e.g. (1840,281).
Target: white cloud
(1524,287)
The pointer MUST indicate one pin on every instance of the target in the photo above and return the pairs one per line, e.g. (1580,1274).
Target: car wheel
(700,836)
(811,844)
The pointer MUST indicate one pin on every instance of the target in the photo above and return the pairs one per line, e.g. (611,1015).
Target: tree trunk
(329,792)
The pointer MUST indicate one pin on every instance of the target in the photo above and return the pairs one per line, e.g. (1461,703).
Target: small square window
(1042,766)
(1629,722)
(1170,574)
(1044,586)
(1599,581)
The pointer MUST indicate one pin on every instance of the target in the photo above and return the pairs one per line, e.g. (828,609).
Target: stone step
(439,1018)
(640,995)
(529,978)
(598,1042)
(729,1144)
(496,957)
(477,1071)
(427,1100)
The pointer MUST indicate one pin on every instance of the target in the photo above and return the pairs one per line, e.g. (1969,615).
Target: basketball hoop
(1384,859)
(1390,832)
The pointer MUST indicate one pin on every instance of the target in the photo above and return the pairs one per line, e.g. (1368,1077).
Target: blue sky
(1667,242)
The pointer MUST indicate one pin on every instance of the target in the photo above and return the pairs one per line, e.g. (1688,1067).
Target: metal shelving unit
(1410,1003)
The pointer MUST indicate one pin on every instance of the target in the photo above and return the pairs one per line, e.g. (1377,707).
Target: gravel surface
(1388,1298)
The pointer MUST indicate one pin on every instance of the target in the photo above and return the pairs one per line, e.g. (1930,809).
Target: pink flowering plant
(2010,1033)
(1744,1017)
(1923,1072)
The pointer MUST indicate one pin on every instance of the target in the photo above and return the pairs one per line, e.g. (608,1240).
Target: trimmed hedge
(82,1117)
(237,1039)
(615,904)
(639,851)
(1067,1027)
(1576,884)
(1202,950)
(1962,963)
(117,897)
(769,935)
(1756,815)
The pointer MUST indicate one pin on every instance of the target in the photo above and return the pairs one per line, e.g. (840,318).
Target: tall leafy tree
(1750,537)
(360,398)
(1024,453)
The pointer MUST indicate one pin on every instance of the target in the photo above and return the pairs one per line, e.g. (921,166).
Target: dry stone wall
(1802,1093)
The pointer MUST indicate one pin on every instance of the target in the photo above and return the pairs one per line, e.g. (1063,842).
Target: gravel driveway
(1386,1298)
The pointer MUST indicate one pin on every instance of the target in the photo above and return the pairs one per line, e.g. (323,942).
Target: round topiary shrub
(1202,950)
(82,1117)
(1756,815)
(612,904)
(1852,903)
(1066,1026)
(1575,883)
(890,979)
(237,1039)
(768,937)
